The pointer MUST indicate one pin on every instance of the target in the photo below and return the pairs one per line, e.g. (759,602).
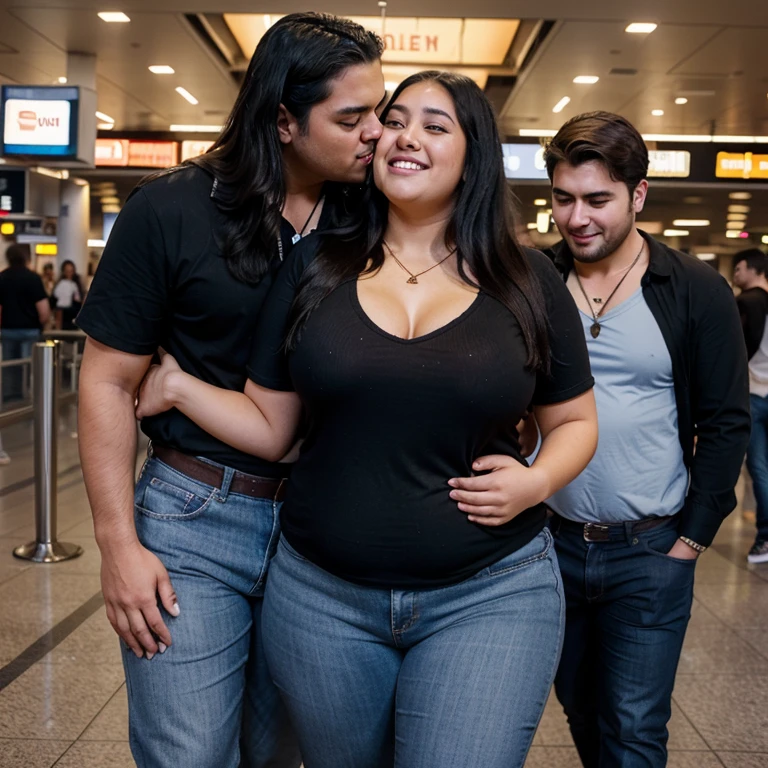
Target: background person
(187,267)
(408,611)
(665,348)
(749,275)
(68,296)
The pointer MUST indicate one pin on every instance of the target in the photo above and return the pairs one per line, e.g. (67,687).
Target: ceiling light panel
(585,79)
(195,128)
(657,112)
(183,92)
(738,209)
(640,28)
(740,195)
(162,69)
(561,105)
(676,232)
(114,17)
(680,100)
(691,223)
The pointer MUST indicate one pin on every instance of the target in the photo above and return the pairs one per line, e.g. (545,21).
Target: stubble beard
(607,248)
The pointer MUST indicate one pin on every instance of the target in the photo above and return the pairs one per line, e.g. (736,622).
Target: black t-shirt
(20,290)
(753,309)
(392,420)
(162,283)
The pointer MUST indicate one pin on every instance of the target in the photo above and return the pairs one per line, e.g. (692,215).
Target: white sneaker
(759,552)
(4,458)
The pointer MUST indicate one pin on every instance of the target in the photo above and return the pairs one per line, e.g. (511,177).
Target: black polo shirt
(161,282)
(696,312)
(20,290)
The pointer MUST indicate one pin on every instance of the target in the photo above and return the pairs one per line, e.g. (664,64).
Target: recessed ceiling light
(187,95)
(681,100)
(676,232)
(640,28)
(195,128)
(738,209)
(586,79)
(561,105)
(62,80)
(706,256)
(161,69)
(764,239)
(657,112)
(691,223)
(693,199)
(540,201)
(733,234)
(114,17)
(105,118)
(740,195)
(737,218)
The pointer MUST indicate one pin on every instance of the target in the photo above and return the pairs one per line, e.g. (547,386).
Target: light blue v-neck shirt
(638,469)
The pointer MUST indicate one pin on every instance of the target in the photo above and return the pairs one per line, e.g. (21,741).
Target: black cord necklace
(298,235)
(596,327)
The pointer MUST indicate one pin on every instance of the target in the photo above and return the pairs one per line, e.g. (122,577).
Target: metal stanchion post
(45,380)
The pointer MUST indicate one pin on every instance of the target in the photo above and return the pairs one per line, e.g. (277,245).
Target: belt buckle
(595,528)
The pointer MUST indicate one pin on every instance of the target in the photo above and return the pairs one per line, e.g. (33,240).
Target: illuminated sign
(191,149)
(524,161)
(40,121)
(741,165)
(13,190)
(669,164)
(136,154)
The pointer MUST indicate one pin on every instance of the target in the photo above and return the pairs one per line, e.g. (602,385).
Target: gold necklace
(596,327)
(412,280)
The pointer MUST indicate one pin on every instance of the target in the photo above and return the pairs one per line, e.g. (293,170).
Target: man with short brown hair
(665,346)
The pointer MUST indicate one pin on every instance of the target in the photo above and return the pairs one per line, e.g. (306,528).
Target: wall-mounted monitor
(40,122)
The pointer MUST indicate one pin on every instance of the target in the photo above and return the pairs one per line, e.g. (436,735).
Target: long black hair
(293,65)
(481,228)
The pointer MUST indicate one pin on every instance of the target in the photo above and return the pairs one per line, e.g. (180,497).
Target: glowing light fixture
(657,112)
(764,239)
(540,201)
(96,243)
(640,28)
(585,79)
(738,209)
(162,69)
(732,234)
(691,223)
(183,92)
(63,80)
(561,105)
(46,249)
(740,195)
(676,232)
(105,118)
(195,128)
(114,17)
(681,100)
(706,256)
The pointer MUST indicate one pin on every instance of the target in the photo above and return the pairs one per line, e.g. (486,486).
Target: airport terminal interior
(147,84)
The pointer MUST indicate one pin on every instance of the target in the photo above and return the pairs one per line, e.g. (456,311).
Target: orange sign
(112,152)
(153,154)
(741,165)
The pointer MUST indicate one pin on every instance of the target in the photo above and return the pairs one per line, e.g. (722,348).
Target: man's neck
(617,262)
(302,191)
(760,282)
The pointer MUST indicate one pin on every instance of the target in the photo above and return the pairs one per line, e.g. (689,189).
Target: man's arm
(719,389)
(131,576)
(43,308)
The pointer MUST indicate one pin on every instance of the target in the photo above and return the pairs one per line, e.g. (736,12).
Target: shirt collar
(659,266)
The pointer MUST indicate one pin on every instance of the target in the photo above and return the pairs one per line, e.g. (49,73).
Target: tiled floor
(69,708)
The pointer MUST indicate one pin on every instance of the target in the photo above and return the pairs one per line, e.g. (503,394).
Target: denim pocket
(162,500)
(536,549)
(659,543)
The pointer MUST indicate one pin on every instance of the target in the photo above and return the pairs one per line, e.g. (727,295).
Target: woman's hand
(154,396)
(508,489)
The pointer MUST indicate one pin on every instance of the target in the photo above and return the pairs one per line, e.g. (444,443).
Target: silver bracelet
(692,544)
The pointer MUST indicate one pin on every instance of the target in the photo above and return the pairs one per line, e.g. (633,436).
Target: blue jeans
(628,606)
(456,676)
(208,701)
(17,344)
(757,461)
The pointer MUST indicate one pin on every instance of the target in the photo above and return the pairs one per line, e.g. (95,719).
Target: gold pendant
(412,280)
(595,330)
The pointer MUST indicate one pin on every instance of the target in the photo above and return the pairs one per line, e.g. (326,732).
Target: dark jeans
(17,344)
(757,461)
(627,609)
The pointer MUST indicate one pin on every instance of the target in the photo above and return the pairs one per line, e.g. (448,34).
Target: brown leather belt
(210,474)
(610,532)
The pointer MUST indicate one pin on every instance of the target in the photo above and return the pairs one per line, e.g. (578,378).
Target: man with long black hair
(668,359)
(187,267)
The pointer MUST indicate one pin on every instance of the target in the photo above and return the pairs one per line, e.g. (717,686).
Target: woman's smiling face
(420,155)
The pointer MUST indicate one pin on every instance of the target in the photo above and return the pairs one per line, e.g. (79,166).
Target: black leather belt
(243,483)
(609,531)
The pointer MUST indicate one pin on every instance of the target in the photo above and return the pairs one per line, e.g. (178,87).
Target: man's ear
(287,125)
(638,200)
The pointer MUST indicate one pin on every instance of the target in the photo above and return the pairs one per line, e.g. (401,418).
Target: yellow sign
(741,165)
(7,228)
(46,249)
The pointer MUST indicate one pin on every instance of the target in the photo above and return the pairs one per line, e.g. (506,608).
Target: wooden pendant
(595,330)
(412,280)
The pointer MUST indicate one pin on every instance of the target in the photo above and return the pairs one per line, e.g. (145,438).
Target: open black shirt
(392,420)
